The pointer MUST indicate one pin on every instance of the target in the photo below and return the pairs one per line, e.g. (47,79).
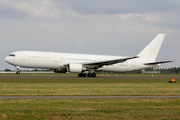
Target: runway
(88,77)
(80,97)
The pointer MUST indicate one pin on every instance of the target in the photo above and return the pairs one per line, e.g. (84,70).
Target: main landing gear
(88,75)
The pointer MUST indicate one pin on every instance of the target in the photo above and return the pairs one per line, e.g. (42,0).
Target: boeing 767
(79,63)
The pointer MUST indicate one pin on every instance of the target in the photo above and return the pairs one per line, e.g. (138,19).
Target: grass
(94,108)
(111,108)
(87,86)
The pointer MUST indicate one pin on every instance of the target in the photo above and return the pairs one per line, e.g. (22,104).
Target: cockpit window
(13,55)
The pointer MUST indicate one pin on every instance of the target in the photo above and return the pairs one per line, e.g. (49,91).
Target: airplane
(82,63)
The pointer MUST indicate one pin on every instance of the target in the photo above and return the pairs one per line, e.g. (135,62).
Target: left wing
(98,64)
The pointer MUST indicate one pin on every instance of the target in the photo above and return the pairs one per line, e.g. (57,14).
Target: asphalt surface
(78,97)
(86,77)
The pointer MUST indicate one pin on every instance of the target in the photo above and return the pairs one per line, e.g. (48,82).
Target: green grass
(95,108)
(87,86)
(111,108)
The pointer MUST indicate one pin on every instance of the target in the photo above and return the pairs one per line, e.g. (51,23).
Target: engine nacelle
(60,70)
(75,68)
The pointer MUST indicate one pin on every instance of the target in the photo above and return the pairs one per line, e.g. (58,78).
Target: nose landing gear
(18,68)
(17,72)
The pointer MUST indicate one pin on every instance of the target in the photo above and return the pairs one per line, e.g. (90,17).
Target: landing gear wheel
(93,74)
(89,74)
(18,72)
(80,75)
(84,75)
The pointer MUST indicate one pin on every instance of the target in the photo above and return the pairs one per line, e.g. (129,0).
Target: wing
(99,64)
(154,63)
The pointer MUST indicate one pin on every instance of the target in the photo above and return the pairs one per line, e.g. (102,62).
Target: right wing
(99,64)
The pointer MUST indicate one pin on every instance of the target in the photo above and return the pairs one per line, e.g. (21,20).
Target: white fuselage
(53,60)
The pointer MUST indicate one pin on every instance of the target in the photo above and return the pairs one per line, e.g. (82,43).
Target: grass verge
(99,108)
(86,86)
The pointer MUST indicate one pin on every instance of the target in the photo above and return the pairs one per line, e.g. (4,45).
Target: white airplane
(79,63)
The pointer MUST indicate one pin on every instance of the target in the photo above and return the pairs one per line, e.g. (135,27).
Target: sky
(107,27)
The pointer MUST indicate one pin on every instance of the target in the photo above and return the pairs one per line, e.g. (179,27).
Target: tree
(6,70)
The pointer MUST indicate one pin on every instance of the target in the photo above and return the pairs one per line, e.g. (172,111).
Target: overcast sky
(108,27)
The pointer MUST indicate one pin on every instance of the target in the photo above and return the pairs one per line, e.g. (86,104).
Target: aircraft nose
(6,59)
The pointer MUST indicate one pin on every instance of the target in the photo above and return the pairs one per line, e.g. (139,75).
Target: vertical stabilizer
(150,52)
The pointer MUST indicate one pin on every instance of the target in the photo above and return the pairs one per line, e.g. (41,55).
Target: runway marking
(80,97)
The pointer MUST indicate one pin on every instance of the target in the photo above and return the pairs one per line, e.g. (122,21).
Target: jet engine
(76,68)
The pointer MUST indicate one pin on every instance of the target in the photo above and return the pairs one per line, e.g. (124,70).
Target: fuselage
(54,60)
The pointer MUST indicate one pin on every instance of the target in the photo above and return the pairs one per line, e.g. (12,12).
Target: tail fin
(150,52)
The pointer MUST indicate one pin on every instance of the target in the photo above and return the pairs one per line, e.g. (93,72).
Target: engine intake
(75,68)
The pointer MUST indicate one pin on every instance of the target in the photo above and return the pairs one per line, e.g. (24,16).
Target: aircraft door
(55,58)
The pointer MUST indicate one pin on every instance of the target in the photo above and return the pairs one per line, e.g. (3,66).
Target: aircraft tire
(84,75)
(89,74)
(18,72)
(80,75)
(93,74)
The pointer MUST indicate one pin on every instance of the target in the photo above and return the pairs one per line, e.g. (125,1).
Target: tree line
(173,70)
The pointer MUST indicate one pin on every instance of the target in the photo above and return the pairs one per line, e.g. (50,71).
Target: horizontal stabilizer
(154,63)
